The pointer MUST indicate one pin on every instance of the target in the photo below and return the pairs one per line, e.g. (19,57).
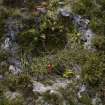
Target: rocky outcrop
(81,25)
(41,88)
(10,45)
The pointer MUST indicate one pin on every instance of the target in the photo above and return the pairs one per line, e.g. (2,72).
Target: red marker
(49,68)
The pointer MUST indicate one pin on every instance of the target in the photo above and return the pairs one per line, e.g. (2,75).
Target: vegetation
(50,46)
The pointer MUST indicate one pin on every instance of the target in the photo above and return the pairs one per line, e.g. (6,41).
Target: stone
(42,10)
(6,45)
(39,87)
(64,12)
(1,77)
(12,95)
(96,100)
(82,89)
(15,70)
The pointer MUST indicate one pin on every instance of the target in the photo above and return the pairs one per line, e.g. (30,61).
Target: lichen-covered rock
(15,70)
(41,88)
(12,95)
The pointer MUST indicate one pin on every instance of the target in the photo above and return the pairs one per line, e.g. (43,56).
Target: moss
(5,101)
(53,98)
(28,38)
(85,99)
(99,42)
(16,13)
(3,56)
(68,74)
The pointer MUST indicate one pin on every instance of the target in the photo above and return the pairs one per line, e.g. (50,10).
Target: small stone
(14,70)
(64,13)
(42,10)
(77,77)
(61,3)
(1,77)
(82,89)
